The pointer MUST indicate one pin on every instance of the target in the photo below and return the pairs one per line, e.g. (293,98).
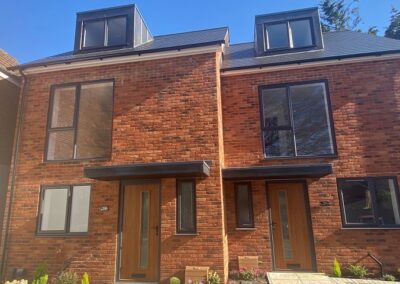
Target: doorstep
(297,278)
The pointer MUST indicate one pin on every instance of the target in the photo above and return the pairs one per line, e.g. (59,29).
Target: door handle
(156,228)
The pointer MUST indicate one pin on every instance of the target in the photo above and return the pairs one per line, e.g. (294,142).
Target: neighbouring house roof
(337,45)
(7,61)
(160,43)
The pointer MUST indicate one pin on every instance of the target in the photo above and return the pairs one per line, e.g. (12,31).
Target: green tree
(341,15)
(393,31)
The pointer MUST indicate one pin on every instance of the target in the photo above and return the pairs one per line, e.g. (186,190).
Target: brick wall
(164,111)
(365,101)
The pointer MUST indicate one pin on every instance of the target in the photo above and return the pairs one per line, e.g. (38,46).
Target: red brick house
(140,155)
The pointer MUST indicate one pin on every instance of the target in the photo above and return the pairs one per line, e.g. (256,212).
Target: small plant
(247,274)
(358,271)
(22,281)
(213,278)
(67,277)
(41,276)
(337,270)
(174,280)
(388,277)
(85,278)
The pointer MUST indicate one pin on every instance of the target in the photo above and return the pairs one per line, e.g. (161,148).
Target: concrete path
(315,278)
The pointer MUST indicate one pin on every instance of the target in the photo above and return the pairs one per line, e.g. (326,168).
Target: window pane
(387,207)
(243,206)
(60,145)
(62,110)
(278,143)
(301,33)
(95,121)
(93,34)
(116,31)
(357,201)
(283,214)
(54,209)
(186,207)
(144,229)
(311,120)
(80,208)
(275,107)
(277,36)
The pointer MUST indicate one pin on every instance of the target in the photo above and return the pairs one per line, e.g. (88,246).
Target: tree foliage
(341,15)
(393,31)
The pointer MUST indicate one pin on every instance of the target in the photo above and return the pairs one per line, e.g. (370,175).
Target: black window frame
(67,224)
(238,203)
(74,127)
(371,186)
(287,86)
(105,35)
(179,230)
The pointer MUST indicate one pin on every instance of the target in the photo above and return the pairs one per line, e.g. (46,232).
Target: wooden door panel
(291,228)
(140,240)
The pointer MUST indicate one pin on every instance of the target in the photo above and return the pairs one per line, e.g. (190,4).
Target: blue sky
(36,29)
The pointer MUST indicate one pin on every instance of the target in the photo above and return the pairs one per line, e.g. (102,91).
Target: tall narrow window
(80,122)
(244,206)
(186,206)
(369,202)
(64,209)
(296,121)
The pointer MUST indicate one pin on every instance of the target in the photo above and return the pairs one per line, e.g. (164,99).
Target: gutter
(17,138)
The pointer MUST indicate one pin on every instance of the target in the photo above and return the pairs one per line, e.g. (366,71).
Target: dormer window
(104,32)
(288,32)
(118,27)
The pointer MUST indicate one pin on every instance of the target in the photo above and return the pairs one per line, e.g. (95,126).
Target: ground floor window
(369,202)
(244,206)
(186,207)
(64,209)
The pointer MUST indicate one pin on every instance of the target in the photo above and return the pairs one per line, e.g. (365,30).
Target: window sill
(335,156)
(186,234)
(370,228)
(77,161)
(61,235)
(245,229)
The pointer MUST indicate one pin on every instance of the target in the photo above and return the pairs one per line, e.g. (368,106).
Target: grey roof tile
(336,45)
(160,43)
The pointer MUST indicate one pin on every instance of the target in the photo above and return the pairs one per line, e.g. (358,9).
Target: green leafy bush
(213,278)
(337,270)
(41,276)
(388,277)
(358,271)
(67,277)
(85,278)
(174,280)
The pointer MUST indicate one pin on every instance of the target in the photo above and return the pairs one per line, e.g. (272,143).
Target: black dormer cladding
(137,32)
(261,21)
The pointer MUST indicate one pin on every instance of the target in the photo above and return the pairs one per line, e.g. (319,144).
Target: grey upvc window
(106,32)
(64,210)
(80,121)
(244,205)
(296,120)
(369,202)
(186,207)
(289,34)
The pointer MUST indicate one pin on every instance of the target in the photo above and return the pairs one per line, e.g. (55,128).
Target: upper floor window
(369,202)
(104,32)
(80,121)
(289,34)
(296,120)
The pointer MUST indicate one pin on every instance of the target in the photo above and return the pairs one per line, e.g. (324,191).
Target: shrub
(388,277)
(174,280)
(41,276)
(213,278)
(67,277)
(85,278)
(337,270)
(358,271)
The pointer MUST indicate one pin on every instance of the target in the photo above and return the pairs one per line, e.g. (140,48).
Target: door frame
(122,185)
(308,216)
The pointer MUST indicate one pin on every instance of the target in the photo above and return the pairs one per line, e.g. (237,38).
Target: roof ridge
(188,32)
